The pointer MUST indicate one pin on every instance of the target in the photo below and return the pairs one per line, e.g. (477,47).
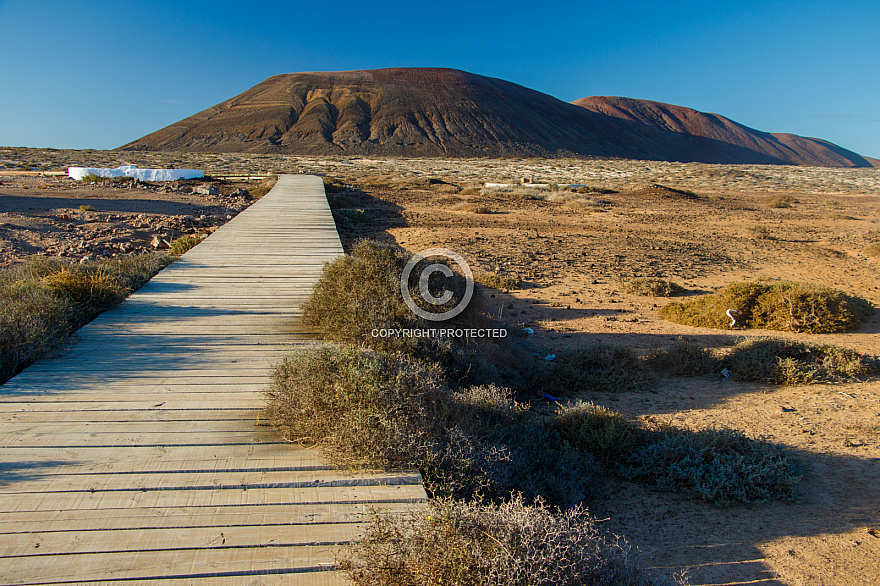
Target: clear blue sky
(98,74)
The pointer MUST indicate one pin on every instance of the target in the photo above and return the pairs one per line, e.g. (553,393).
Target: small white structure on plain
(79,173)
(730,313)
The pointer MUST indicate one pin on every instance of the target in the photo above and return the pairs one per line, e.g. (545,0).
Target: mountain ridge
(439,112)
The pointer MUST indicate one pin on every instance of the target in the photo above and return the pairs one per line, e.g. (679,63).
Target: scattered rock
(206,190)
(160,243)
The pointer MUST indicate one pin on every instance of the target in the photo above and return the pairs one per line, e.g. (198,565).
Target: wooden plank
(135,454)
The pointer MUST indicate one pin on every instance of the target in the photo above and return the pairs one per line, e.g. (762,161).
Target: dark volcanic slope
(788,148)
(431,112)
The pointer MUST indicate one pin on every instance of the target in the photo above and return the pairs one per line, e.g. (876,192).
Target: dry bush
(780,305)
(685,359)
(496,280)
(365,409)
(86,208)
(598,431)
(517,191)
(760,232)
(784,362)
(872,249)
(653,286)
(472,208)
(380,410)
(359,293)
(780,200)
(474,544)
(44,301)
(597,368)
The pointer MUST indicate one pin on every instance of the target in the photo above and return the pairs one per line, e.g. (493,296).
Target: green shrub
(474,544)
(43,301)
(182,244)
(784,362)
(780,305)
(598,368)
(721,466)
(652,286)
(685,359)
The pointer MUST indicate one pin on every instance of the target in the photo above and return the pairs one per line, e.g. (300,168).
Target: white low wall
(131,171)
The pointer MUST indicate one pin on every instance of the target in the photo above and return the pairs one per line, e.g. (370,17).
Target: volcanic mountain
(427,112)
(788,148)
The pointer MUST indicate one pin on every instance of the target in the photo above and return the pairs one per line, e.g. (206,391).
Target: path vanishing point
(136,456)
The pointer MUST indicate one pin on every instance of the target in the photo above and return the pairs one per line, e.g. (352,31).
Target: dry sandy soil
(571,260)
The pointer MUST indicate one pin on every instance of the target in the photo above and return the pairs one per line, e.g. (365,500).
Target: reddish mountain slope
(424,112)
(788,148)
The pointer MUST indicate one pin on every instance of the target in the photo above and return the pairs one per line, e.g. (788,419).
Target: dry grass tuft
(780,305)
(872,249)
(760,232)
(264,187)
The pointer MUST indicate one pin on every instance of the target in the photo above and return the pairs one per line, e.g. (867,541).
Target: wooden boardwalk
(136,456)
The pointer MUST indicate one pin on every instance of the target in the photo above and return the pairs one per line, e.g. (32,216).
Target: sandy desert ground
(571,256)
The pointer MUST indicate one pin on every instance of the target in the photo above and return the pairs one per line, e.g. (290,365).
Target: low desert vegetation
(473,208)
(785,362)
(376,409)
(86,208)
(466,414)
(685,359)
(43,301)
(652,286)
(496,280)
(359,294)
(264,187)
(720,466)
(780,201)
(768,360)
(760,232)
(773,305)
(601,368)
(481,544)
(182,244)
(872,249)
